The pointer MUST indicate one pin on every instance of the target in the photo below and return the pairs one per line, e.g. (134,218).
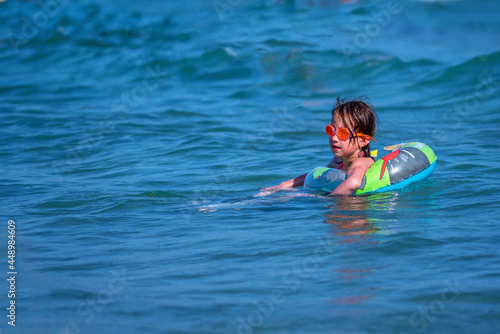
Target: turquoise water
(135,135)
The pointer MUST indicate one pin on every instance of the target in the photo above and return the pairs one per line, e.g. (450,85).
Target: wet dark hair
(358,115)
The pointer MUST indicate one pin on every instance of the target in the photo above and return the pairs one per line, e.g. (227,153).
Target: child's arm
(295,182)
(354,177)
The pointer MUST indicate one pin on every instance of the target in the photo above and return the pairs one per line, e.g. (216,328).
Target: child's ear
(363,141)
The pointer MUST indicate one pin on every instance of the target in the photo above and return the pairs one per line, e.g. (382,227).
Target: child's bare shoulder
(363,162)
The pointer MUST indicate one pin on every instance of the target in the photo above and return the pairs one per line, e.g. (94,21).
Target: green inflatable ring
(405,164)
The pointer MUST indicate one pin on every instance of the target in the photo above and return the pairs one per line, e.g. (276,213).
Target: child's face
(342,148)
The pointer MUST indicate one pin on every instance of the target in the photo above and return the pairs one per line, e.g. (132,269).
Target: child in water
(350,131)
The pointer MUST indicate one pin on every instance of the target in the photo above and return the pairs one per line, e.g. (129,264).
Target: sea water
(135,137)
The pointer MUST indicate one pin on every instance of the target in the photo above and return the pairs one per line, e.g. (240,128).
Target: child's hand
(288,185)
(265,193)
(278,187)
(282,185)
(271,190)
(268,191)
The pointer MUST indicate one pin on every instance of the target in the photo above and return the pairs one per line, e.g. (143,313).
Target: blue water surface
(135,137)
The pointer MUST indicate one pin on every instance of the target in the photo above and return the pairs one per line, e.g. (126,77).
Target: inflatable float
(405,164)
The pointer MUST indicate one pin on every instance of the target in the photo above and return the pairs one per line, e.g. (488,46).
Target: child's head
(359,117)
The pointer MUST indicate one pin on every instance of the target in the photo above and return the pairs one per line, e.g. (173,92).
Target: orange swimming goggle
(344,133)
